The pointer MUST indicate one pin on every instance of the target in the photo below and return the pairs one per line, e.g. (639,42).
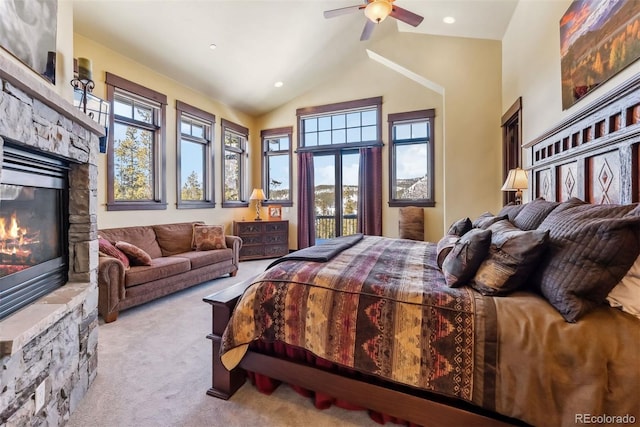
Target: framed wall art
(28,32)
(275,212)
(598,39)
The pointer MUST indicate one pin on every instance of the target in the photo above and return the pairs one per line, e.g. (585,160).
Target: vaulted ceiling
(261,42)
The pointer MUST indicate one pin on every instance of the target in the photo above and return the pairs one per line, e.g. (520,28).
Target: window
(194,164)
(354,123)
(136,154)
(234,147)
(411,160)
(276,166)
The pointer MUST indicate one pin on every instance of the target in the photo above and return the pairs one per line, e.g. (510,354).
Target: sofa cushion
(591,247)
(174,238)
(141,236)
(202,258)
(136,255)
(160,268)
(107,248)
(208,237)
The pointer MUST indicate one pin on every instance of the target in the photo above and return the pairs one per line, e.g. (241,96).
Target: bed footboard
(224,383)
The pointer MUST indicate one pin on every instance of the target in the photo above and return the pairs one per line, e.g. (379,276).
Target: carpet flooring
(154,368)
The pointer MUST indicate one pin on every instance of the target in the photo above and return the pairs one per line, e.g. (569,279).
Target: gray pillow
(533,213)
(460,227)
(513,254)
(486,219)
(591,247)
(465,257)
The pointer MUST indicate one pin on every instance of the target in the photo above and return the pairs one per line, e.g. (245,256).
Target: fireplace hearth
(33,227)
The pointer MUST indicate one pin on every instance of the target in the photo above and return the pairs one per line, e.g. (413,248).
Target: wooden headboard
(593,154)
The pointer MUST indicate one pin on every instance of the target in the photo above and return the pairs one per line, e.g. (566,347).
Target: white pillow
(626,294)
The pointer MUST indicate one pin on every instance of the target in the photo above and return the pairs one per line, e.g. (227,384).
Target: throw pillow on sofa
(107,248)
(208,237)
(136,255)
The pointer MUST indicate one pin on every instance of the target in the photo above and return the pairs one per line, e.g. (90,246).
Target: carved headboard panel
(593,154)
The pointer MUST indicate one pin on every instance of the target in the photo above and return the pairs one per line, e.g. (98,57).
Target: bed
(398,328)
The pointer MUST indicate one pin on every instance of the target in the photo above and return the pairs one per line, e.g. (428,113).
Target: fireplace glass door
(33,227)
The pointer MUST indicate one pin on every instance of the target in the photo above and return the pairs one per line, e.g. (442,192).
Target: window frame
(184,110)
(269,134)
(412,116)
(125,88)
(226,126)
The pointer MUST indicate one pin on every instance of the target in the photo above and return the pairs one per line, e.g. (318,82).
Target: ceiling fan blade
(342,11)
(368,30)
(405,16)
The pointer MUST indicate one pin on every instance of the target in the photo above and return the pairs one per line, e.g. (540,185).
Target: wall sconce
(258,195)
(91,105)
(516,181)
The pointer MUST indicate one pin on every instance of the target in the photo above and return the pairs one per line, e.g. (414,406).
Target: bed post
(224,383)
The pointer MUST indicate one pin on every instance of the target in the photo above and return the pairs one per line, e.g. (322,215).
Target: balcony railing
(326,226)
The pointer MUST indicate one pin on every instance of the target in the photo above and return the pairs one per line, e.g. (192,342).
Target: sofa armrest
(110,286)
(235,243)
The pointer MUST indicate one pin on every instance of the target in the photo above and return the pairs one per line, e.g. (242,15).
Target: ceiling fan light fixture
(378,10)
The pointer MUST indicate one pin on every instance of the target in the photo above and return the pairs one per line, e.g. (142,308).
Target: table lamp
(258,195)
(516,181)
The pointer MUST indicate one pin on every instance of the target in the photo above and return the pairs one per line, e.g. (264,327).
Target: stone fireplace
(48,347)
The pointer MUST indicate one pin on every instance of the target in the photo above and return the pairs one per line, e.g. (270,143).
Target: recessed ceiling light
(212,46)
(278,84)
(448,19)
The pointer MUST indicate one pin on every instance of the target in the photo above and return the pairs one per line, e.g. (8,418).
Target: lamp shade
(378,10)
(257,194)
(516,180)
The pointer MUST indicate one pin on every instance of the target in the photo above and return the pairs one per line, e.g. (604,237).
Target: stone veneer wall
(48,350)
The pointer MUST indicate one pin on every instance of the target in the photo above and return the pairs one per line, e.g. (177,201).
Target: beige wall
(103,60)
(467,127)
(531,66)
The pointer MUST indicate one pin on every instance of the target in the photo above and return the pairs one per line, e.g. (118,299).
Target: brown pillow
(460,227)
(513,255)
(208,237)
(533,213)
(136,255)
(107,248)
(510,210)
(465,257)
(444,246)
(591,247)
(486,219)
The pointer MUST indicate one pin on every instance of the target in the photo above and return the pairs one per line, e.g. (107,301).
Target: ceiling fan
(376,11)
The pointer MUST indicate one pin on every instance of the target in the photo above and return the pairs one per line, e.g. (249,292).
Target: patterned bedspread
(380,307)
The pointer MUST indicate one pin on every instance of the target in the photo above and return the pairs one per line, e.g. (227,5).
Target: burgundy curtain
(370,191)
(306,199)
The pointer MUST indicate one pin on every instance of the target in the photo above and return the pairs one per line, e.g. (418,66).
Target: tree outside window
(195,157)
(234,140)
(135,159)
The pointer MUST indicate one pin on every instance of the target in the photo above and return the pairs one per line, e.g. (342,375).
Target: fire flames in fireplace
(17,245)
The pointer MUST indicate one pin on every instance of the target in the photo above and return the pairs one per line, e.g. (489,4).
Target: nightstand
(262,239)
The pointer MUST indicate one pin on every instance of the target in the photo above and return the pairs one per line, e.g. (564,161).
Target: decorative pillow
(107,248)
(465,257)
(533,213)
(486,220)
(510,210)
(208,237)
(444,246)
(136,255)
(626,294)
(460,227)
(513,254)
(591,248)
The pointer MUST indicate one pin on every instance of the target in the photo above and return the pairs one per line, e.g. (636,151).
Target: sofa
(170,262)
